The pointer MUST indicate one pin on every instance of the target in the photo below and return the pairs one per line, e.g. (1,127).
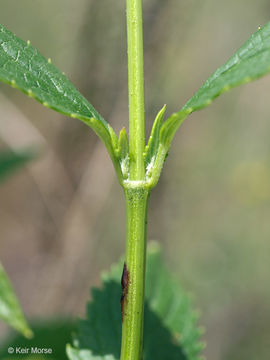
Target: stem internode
(136,89)
(133,302)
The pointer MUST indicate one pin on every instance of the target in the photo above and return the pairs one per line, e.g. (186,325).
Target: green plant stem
(133,309)
(136,193)
(136,89)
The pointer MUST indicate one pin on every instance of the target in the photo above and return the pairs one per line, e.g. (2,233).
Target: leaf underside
(249,63)
(10,311)
(24,68)
(170,324)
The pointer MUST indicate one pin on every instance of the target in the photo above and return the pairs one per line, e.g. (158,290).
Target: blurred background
(62,218)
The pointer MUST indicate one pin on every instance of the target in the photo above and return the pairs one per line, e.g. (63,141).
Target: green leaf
(10,310)
(249,63)
(11,161)
(170,303)
(123,152)
(123,145)
(170,324)
(24,68)
(151,148)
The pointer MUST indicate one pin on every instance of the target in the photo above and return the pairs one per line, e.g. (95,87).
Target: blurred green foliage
(10,311)
(53,334)
(10,161)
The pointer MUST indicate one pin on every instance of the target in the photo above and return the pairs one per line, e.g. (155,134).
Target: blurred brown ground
(62,217)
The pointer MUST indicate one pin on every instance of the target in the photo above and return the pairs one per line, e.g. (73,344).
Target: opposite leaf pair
(23,67)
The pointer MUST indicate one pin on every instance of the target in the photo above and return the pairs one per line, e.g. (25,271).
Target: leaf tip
(123,132)
(49,60)
(28,42)
(162,112)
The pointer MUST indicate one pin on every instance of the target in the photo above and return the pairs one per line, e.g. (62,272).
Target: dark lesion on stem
(124,285)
